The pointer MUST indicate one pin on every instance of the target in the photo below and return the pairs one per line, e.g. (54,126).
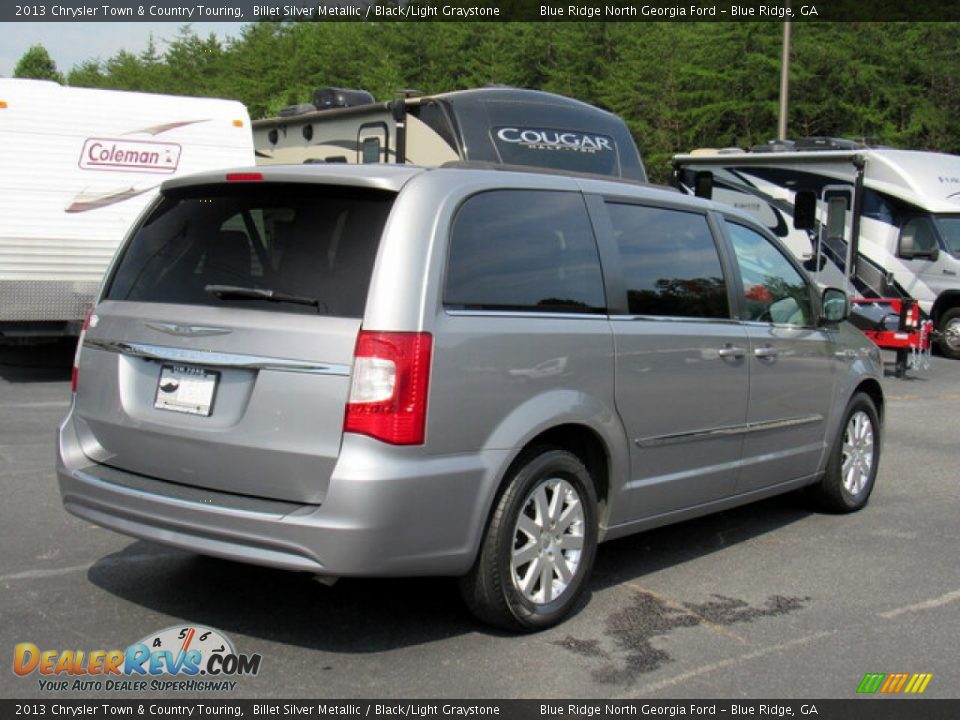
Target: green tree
(37,64)
(89,73)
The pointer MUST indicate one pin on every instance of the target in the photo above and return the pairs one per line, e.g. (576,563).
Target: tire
(949,327)
(528,577)
(854,459)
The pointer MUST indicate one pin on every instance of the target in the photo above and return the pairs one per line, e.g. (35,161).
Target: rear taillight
(75,375)
(388,394)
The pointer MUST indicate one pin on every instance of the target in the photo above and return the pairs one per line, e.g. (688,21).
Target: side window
(524,250)
(370,150)
(670,262)
(774,291)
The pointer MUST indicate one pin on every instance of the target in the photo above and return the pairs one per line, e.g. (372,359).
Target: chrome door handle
(765,352)
(730,351)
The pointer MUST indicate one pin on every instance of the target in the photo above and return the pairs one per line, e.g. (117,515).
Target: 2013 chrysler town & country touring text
(383,371)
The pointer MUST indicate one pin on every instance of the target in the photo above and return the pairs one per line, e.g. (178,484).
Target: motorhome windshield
(949,226)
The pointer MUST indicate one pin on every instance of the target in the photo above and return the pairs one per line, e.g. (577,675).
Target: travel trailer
(499,125)
(887,223)
(79,165)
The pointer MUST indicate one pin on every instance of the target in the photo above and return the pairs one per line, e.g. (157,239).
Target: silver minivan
(461,371)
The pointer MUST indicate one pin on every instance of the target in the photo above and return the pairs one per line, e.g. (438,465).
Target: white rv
(78,165)
(889,220)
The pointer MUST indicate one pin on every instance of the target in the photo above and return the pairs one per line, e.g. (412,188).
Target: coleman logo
(129,155)
(542,139)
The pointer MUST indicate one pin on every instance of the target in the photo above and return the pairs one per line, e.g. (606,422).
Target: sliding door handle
(731,351)
(765,353)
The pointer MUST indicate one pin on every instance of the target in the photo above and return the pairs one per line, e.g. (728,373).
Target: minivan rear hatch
(220,354)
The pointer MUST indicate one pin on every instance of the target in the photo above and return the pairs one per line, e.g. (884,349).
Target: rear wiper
(235,292)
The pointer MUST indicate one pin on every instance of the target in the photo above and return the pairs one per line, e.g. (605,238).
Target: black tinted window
(314,242)
(670,262)
(524,250)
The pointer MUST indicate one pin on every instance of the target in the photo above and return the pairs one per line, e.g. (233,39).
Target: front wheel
(538,550)
(854,459)
(949,327)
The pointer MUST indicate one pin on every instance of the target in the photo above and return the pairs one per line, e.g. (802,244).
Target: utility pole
(784,82)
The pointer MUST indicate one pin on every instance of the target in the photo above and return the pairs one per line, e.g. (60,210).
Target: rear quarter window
(314,242)
(524,250)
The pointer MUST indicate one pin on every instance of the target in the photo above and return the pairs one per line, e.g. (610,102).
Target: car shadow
(46,362)
(353,616)
(372,615)
(630,558)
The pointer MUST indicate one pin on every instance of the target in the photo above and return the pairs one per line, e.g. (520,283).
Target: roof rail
(535,170)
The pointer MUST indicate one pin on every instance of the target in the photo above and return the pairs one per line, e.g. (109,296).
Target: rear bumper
(388,512)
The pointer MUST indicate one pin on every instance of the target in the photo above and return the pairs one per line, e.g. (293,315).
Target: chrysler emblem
(188,330)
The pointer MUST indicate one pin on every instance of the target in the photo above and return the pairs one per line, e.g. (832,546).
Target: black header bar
(187,11)
(218,707)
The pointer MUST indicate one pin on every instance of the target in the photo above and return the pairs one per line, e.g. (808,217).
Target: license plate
(186,389)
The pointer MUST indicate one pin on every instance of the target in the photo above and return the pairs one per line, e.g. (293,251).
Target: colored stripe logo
(894,683)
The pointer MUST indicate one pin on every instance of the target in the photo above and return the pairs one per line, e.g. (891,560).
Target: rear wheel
(949,327)
(538,550)
(854,459)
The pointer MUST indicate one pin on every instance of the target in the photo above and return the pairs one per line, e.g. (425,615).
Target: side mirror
(703,185)
(805,210)
(834,306)
(907,246)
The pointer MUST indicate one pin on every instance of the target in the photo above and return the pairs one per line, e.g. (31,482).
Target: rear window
(311,246)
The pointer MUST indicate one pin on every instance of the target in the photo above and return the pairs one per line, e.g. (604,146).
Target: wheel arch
(589,447)
(872,389)
(491,588)
(945,301)
(582,441)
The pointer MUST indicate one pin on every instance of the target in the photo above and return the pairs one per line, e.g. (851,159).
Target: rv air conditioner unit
(326,98)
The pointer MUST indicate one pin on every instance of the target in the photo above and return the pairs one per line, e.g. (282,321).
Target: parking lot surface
(771,600)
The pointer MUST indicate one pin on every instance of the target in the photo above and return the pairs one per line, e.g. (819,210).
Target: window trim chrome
(212,358)
(727,430)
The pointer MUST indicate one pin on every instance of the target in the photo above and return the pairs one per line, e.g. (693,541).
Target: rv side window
(670,262)
(524,250)
(371,150)
(774,291)
(837,216)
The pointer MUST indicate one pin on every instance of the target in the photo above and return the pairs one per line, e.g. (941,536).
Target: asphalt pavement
(772,600)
